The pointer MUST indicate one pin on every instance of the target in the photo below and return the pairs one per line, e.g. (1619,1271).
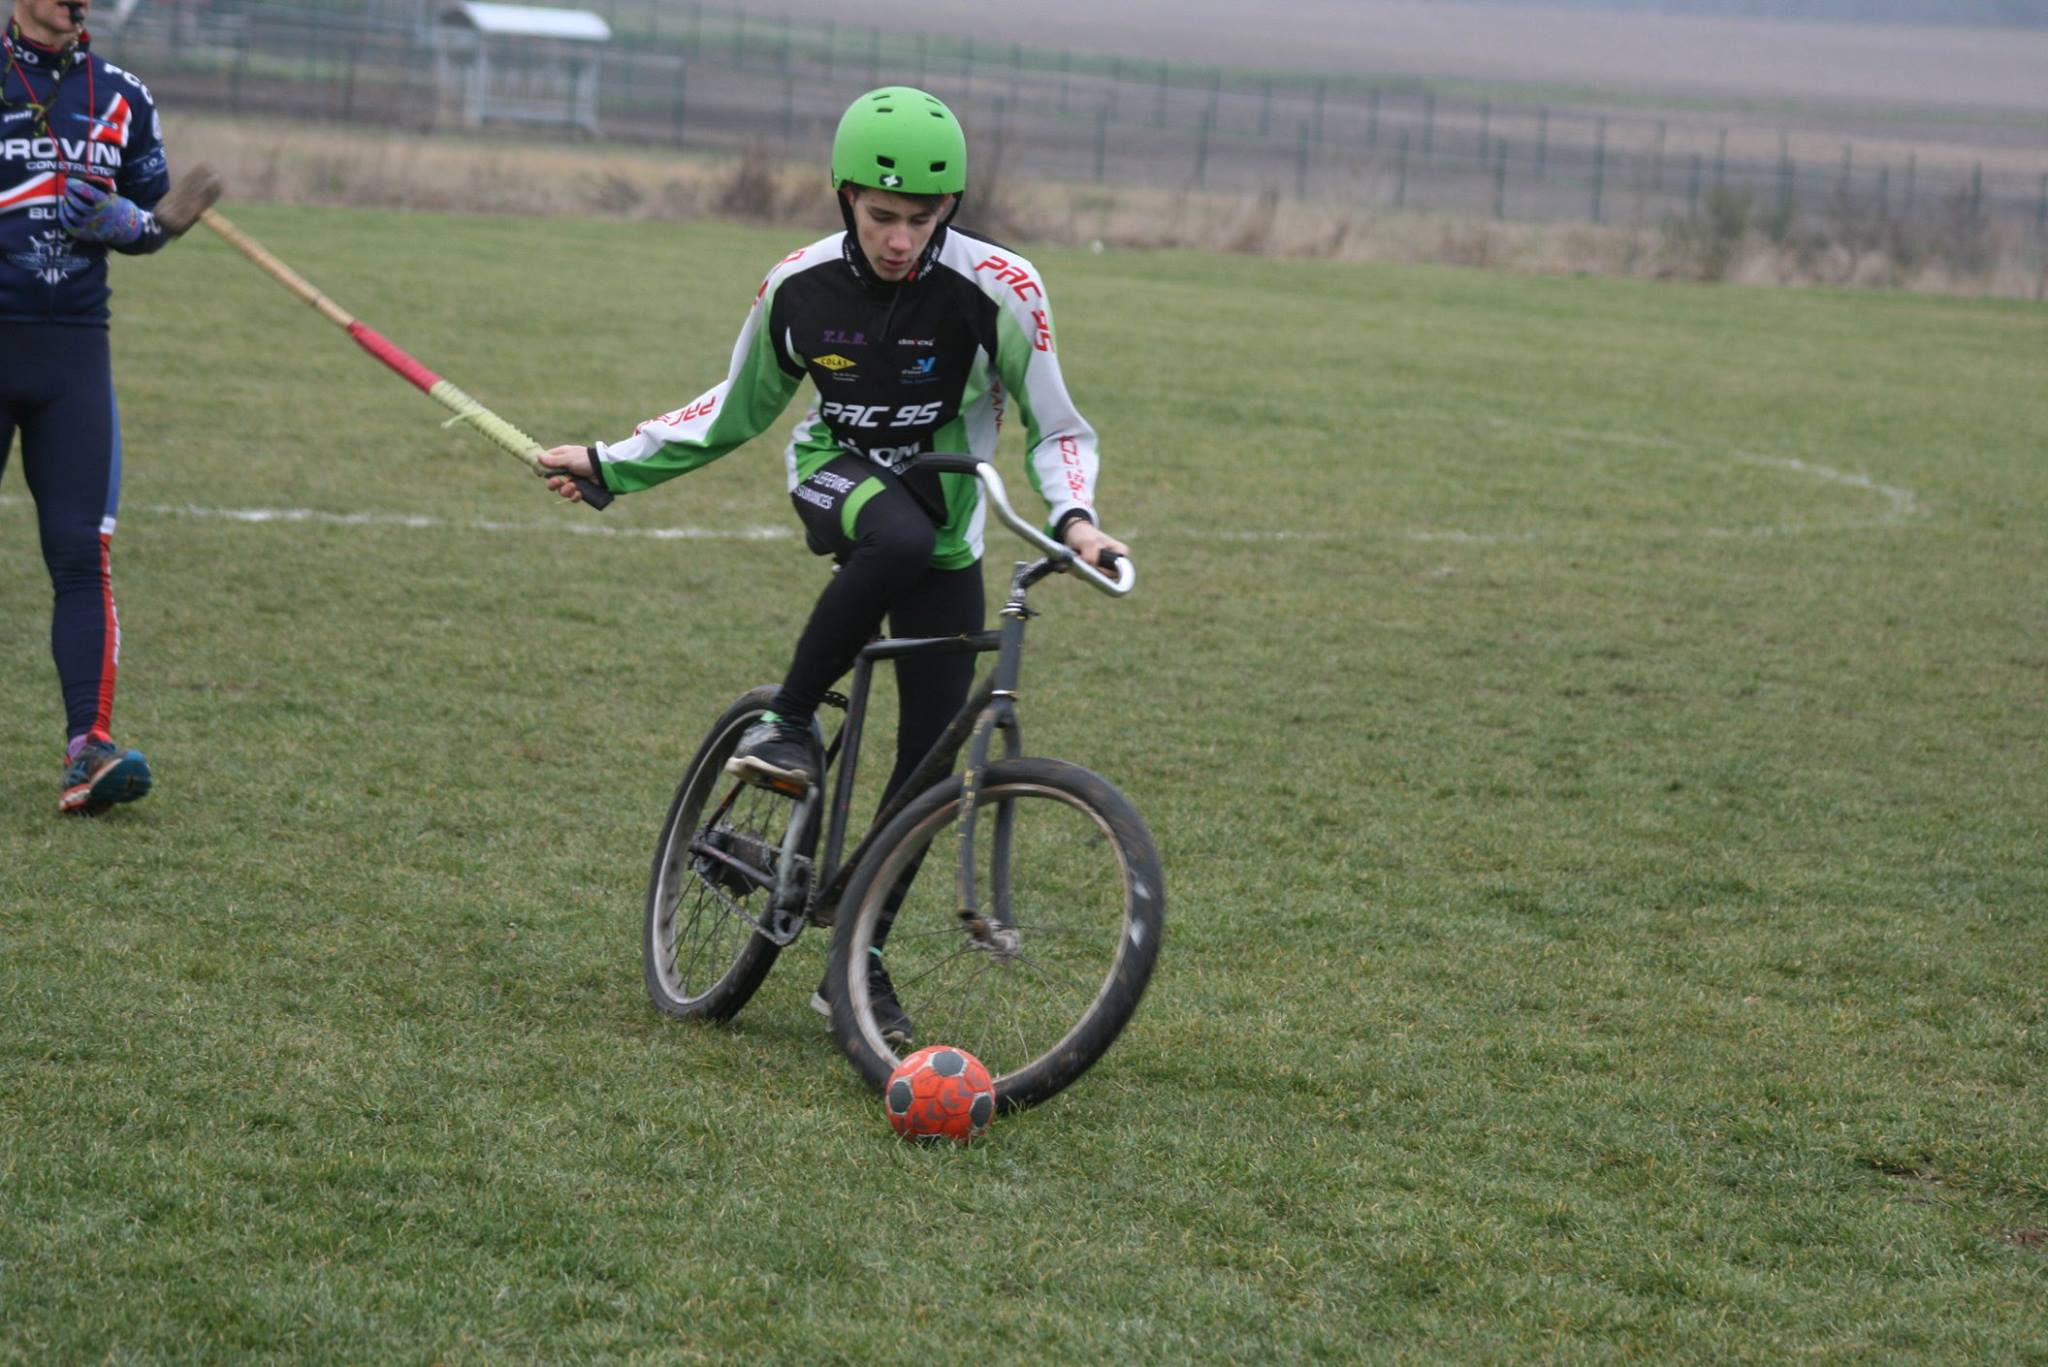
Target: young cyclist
(81,165)
(918,336)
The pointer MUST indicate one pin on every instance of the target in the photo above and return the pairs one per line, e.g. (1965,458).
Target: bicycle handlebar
(999,498)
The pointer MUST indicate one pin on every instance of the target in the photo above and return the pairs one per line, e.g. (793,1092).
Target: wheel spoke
(1043,994)
(964,987)
(1045,974)
(704,953)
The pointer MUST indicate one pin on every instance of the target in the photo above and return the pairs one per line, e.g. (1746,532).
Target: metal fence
(702,77)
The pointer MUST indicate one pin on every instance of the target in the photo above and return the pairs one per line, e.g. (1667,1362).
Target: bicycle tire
(1036,1017)
(703,953)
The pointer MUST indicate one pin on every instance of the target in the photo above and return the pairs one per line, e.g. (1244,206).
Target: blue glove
(91,214)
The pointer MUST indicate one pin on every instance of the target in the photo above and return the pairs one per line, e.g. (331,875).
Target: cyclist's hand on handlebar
(1089,542)
(570,461)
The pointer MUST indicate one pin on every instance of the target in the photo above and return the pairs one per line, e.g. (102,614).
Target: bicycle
(1033,956)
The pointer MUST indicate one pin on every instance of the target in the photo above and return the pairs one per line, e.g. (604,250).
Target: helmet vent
(876,148)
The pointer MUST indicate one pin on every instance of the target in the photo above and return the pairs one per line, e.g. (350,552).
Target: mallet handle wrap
(512,439)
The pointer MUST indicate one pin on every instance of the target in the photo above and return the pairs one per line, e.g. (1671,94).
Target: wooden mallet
(191,201)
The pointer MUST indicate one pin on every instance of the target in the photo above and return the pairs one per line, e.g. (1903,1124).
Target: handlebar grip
(949,464)
(1126,570)
(595,494)
(1121,570)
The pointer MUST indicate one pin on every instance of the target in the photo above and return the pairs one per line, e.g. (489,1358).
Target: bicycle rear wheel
(713,878)
(1073,901)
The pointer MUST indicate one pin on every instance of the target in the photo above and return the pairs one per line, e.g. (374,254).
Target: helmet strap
(858,259)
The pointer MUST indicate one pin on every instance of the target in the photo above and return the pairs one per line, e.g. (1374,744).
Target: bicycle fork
(994,933)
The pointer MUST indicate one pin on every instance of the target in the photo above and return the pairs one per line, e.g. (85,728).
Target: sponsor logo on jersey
(700,408)
(872,415)
(917,341)
(923,370)
(78,151)
(111,126)
(127,76)
(834,362)
(1076,471)
(1016,277)
(49,258)
(894,458)
(841,337)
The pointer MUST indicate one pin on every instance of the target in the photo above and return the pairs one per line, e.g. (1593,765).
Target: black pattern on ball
(941,1092)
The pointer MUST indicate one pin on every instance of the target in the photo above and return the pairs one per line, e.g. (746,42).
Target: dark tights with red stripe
(57,390)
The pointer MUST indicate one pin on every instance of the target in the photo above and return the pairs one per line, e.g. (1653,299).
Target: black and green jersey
(932,364)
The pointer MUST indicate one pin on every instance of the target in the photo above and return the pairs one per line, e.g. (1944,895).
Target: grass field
(1594,731)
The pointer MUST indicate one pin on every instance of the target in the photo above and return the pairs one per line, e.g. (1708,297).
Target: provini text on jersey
(87,150)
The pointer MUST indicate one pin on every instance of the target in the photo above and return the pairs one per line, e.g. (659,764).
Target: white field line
(1450,536)
(426,522)
(1900,505)
(1903,502)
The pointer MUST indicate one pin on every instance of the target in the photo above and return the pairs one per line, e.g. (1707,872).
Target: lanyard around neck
(66,59)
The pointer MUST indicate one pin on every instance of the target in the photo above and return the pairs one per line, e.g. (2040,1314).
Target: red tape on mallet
(443,392)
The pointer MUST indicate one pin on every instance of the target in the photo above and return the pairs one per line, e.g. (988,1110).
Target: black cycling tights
(57,389)
(886,569)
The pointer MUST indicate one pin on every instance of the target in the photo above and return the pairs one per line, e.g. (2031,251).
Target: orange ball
(940,1092)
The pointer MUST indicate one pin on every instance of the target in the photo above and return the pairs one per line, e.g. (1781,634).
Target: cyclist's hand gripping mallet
(465,408)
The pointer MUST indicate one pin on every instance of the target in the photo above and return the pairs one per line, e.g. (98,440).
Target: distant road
(1872,64)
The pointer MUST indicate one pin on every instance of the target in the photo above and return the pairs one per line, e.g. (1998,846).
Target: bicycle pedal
(756,778)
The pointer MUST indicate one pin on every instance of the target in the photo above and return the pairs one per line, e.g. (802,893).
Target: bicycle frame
(991,710)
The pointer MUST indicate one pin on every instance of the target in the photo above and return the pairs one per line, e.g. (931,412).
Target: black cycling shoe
(776,754)
(889,1013)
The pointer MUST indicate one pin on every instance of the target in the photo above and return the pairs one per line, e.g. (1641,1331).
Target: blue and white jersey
(64,114)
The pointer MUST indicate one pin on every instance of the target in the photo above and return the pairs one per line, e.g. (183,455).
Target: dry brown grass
(333,165)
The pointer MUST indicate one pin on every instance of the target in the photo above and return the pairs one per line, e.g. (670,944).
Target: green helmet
(901,140)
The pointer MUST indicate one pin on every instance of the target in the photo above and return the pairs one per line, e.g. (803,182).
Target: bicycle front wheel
(1071,905)
(713,880)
